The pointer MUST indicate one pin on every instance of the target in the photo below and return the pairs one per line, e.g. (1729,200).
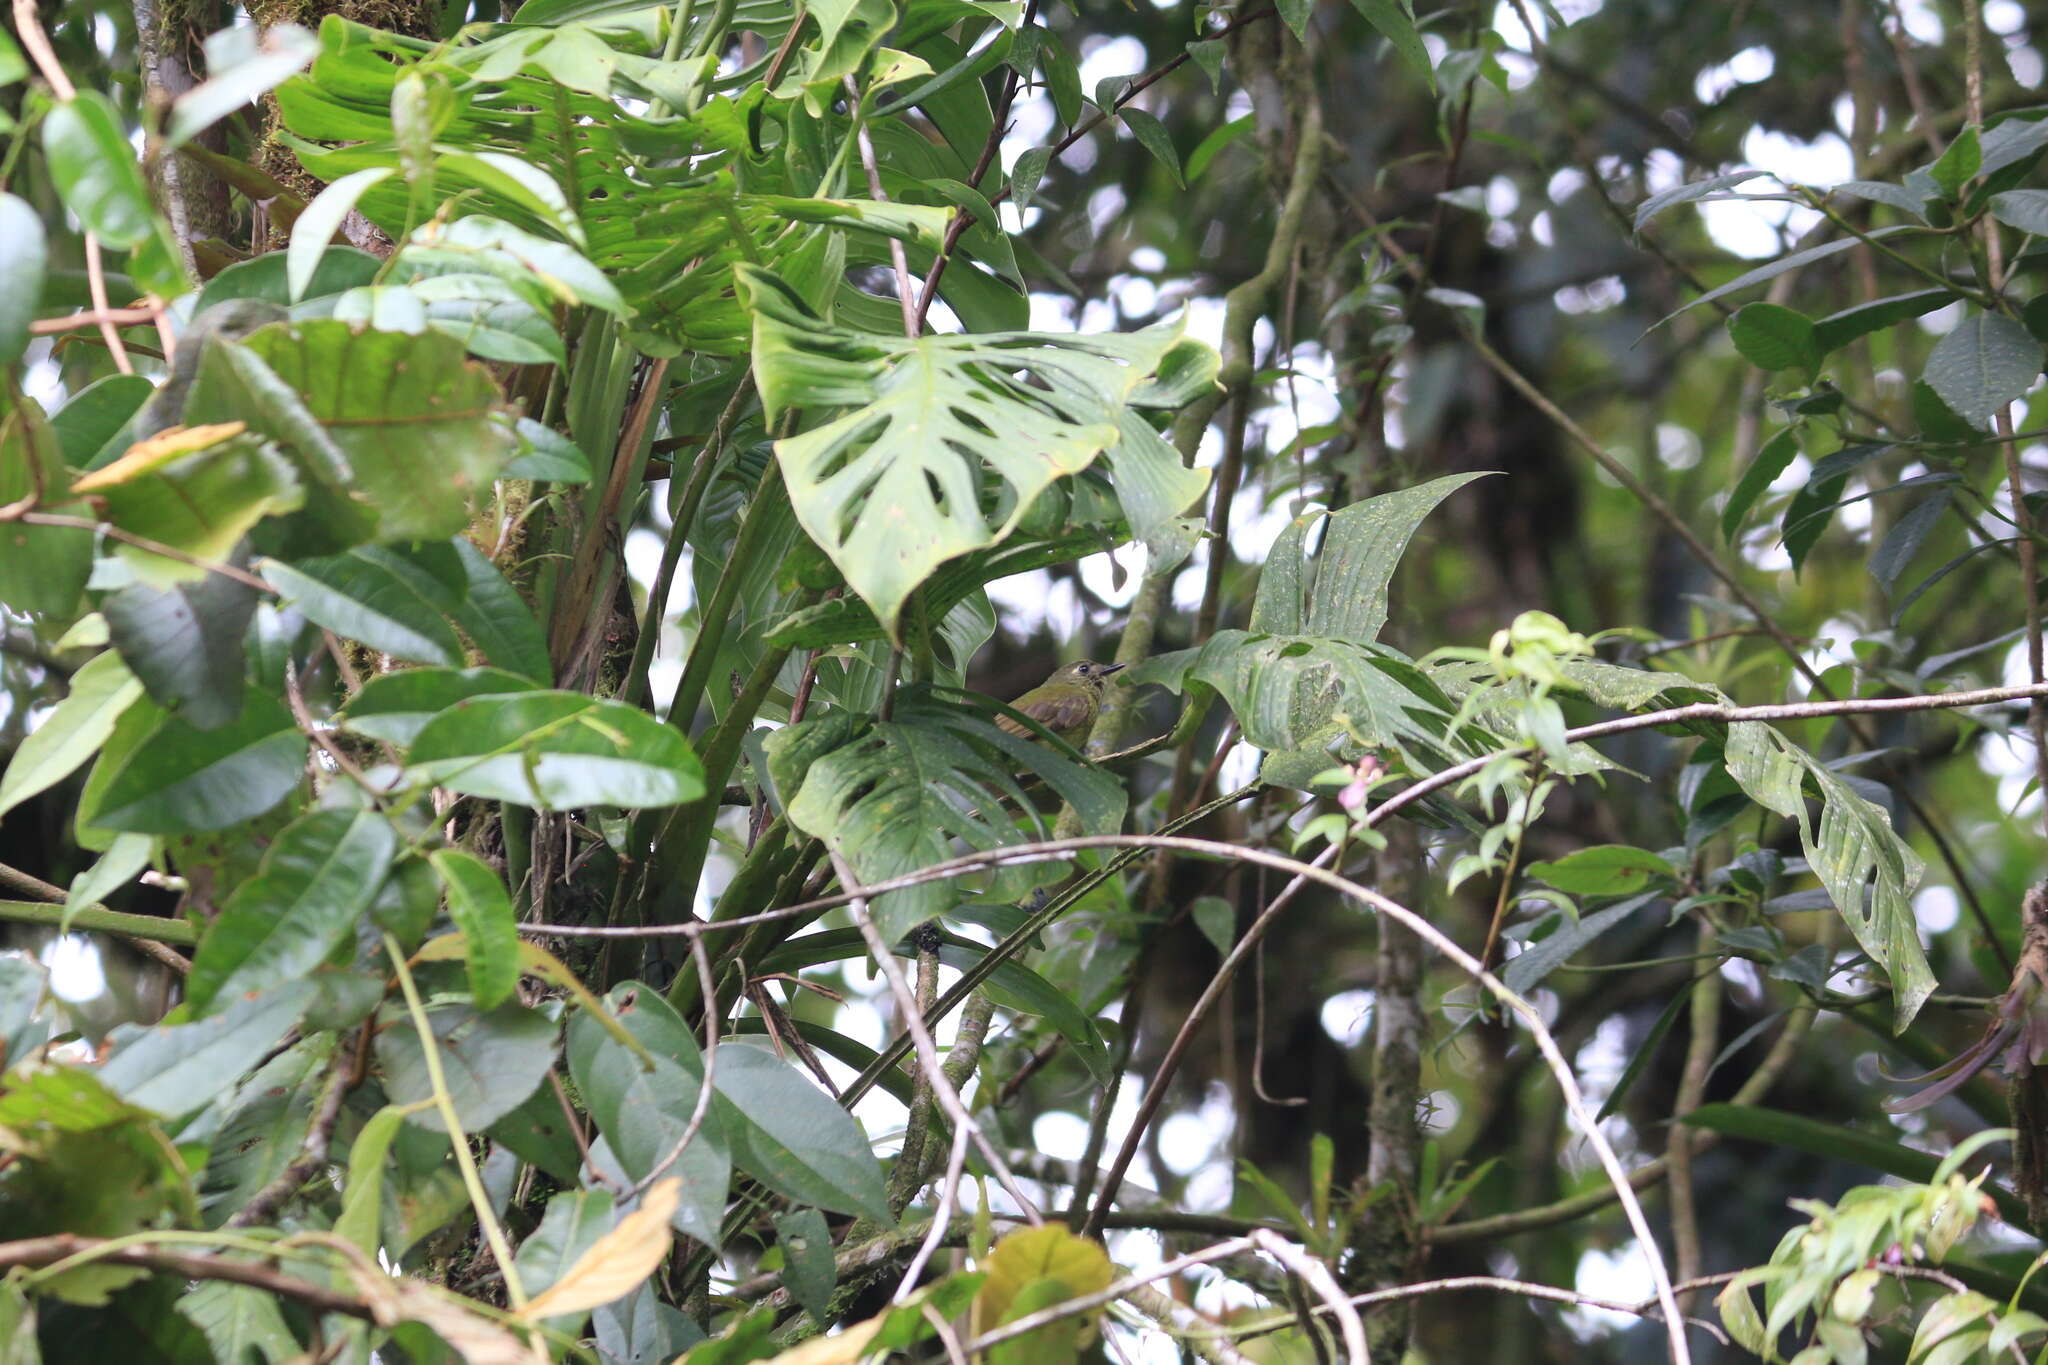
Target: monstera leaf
(892,796)
(951,438)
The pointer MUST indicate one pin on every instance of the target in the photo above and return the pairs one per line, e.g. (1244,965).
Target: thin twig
(702,1110)
(921,1039)
(96,287)
(122,317)
(312,1151)
(963,220)
(63,1246)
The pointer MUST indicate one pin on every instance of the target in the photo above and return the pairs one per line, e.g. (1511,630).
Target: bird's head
(1086,672)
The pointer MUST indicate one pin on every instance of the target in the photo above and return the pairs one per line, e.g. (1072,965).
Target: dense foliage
(517,518)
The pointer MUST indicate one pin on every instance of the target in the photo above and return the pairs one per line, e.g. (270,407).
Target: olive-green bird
(1065,703)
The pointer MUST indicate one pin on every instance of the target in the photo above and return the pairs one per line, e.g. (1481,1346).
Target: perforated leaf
(950,438)
(892,796)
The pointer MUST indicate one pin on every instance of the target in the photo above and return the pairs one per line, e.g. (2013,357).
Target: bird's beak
(1112,669)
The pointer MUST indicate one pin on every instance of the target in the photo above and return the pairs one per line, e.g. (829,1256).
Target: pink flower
(1363,774)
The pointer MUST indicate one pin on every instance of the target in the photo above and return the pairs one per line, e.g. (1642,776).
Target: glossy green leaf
(574,1220)
(1219,137)
(43,569)
(644,1113)
(24,255)
(938,424)
(1772,269)
(1153,137)
(237,1320)
(492,1061)
(185,643)
(394,707)
(72,733)
(808,1267)
(1691,192)
(556,751)
(96,172)
(1771,461)
(1837,330)
(547,456)
(1025,175)
(315,228)
(1982,366)
(497,619)
(316,881)
(374,596)
(186,779)
(1773,337)
(1392,20)
(793,1137)
(1959,163)
(482,911)
(394,436)
(198,490)
(174,1070)
(1604,870)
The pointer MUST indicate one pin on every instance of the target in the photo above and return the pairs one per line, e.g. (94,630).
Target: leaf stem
(458,1140)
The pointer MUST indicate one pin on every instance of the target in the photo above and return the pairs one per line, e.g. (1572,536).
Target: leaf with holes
(891,796)
(951,438)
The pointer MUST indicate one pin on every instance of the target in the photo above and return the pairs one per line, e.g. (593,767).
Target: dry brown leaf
(617,1262)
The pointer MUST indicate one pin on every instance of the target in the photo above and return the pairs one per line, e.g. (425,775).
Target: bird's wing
(1057,714)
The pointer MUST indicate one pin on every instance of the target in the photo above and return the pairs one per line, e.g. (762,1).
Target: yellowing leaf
(159,449)
(477,1339)
(1026,1260)
(617,1262)
(844,1349)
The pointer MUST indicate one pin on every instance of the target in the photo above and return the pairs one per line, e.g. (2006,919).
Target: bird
(1065,703)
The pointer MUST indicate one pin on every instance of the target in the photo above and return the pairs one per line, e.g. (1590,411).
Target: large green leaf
(24,252)
(239,1319)
(43,569)
(185,643)
(556,751)
(394,436)
(491,1061)
(395,707)
(97,174)
(316,881)
(644,1112)
(1987,362)
(375,596)
(572,1224)
(184,779)
(952,437)
(1869,871)
(497,620)
(177,1069)
(892,796)
(100,691)
(793,1137)
(1309,658)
